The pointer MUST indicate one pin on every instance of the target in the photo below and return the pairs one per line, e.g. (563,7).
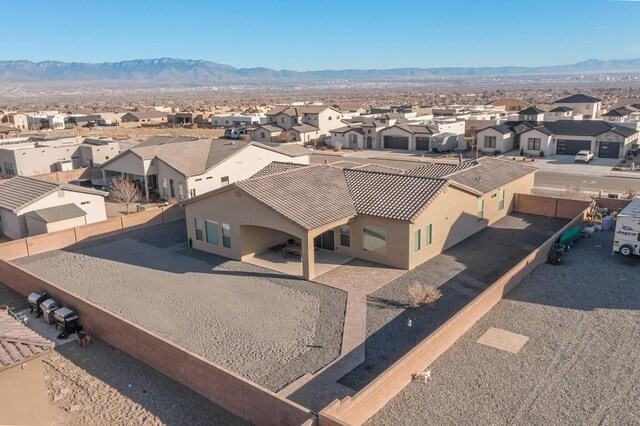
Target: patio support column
(146,187)
(308,258)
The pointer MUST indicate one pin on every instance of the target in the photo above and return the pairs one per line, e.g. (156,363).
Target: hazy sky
(326,34)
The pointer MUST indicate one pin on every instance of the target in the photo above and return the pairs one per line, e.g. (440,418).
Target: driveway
(564,164)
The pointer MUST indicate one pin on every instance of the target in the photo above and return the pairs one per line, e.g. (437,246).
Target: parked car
(583,156)
(235,133)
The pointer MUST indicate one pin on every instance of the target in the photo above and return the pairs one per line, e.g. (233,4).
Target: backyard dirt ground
(267,327)
(461,273)
(580,365)
(101,385)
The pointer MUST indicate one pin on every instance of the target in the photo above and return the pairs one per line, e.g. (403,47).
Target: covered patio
(325,261)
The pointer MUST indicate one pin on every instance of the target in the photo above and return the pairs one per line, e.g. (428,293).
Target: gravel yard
(91,386)
(580,365)
(461,273)
(267,327)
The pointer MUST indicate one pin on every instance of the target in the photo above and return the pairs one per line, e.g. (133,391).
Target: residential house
(588,106)
(30,206)
(621,115)
(307,122)
(138,118)
(531,114)
(562,113)
(395,218)
(407,137)
(234,120)
(561,137)
(35,157)
(24,398)
(266,133)
(183,167)
(7,132)
(497,139)
(17,120)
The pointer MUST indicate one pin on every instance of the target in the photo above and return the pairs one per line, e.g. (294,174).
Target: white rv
(627,236)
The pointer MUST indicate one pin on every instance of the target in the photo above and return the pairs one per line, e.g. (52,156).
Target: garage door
(396,142)
(422,144)
(609,150)
(572,146)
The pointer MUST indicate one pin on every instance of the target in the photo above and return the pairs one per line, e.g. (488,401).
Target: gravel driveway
(267,327)
(580,365)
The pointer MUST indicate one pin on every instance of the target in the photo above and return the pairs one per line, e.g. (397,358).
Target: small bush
(420,295)
(337,146)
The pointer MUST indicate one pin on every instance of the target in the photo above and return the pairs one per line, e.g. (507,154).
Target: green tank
(570,235)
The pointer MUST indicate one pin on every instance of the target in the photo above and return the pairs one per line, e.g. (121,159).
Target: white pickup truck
(627,235)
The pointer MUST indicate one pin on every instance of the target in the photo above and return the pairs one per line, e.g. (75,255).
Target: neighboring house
(619,115)
(30,206)
(562,113)
(24,398)
(395,218)
(306,122)
(238,119)
(531,114)
(496,139)
(266,133)
(83,120)
(406,137)
(183,167)
(29,158)
(144,117)
(7,132)
(560,137)
(350,136)
(17,120)
(588,106)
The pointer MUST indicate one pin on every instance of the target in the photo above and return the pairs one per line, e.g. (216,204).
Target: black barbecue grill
(67,320)
(48,307)
(35,299)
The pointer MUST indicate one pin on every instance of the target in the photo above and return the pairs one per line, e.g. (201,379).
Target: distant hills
(182,71)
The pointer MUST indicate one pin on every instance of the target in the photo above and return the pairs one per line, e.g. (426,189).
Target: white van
(627,236)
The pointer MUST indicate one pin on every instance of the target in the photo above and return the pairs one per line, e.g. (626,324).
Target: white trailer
(627,234)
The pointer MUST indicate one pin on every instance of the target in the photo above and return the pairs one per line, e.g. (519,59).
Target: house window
(345,236)
(501,195)
(8,168)
(427,235)
(374,239)
(588,106)
(480,209)
(224,181)
(212,232)
(534,144)
(489,141)
(84,203)
(262,135)
(416,240)
(164,187)
(198,226)
(226,235)
(180,191)
(330,117)
(173,191)
(353,140)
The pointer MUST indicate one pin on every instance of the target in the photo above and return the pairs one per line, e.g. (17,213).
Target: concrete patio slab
(503,340)
(325,261)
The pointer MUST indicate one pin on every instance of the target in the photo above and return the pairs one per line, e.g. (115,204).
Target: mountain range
(183,71)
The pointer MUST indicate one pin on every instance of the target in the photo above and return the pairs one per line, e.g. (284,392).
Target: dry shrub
(420,295)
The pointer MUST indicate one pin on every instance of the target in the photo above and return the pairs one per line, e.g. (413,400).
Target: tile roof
(440,169)
(561,109)
(270,128)
(379,168)
(299,111)
(57,213)
(310,196)
(578,99)
(531,111)
(618,112)
(586,128)
(502,128)
(412,128)
(542,129)
(21,191)
(277,167)
(18,343)
(305,128)
(490,174)
(391,195)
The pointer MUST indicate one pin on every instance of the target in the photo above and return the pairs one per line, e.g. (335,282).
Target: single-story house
(23,393)
(30,206)
(183,167)
(496,139)
(395,218)
(350,136)
(406,137)
(266,133)
(8,132)
(148,117)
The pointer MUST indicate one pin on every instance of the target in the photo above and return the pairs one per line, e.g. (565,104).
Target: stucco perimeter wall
(549,206)
(66,177)
(68,237)
(237,395)
(360,407)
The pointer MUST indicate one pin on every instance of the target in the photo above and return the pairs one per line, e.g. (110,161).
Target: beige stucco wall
(98,153)
(587,109)
(37,226)
(10,225)
(32,161)
(23,395)
(256,135)
(127,163)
